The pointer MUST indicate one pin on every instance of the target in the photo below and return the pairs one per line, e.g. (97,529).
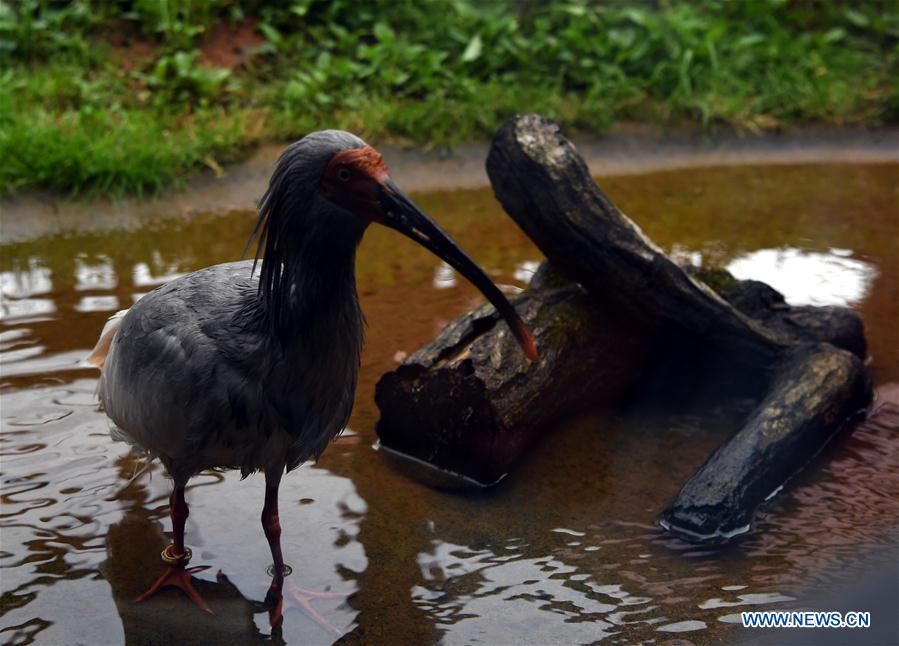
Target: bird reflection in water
(132,545)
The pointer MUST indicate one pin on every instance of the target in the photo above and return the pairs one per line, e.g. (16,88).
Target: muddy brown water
(565,550)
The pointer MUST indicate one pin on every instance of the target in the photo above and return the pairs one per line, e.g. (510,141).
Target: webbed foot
(177,575)
(281,593)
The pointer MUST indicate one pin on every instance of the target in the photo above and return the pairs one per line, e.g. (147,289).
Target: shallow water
(566,550)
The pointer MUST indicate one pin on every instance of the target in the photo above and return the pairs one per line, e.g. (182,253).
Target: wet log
(611,314)
(546,187)
(816,388)
(470,404)
(839,326)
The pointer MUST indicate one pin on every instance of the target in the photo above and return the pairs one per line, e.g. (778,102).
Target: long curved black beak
(401,214)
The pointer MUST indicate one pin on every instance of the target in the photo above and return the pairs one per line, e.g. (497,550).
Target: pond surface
(565,550)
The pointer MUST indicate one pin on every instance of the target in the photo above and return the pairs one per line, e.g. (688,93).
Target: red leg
(179,512)
(271,523)
(176,556)
(297,597)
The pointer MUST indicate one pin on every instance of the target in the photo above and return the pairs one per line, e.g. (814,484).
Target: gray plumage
(254,366)
(245,366)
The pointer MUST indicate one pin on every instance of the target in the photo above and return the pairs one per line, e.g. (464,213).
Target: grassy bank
(132,96)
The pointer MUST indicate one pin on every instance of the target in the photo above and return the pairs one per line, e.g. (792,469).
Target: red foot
(177,576)
(297,598)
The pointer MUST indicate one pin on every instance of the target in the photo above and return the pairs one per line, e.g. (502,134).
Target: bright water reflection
(97,304)
(808,277)
(94,275)
(26,281)
(444,276)
(144,276)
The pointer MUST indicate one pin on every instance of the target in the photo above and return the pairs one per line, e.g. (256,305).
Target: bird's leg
(271,523)
(298,597)
(179,511)
(176,556)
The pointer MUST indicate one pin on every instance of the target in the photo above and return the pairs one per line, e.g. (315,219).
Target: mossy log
(611,313)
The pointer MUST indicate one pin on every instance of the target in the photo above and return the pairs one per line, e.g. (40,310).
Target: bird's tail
(97,357)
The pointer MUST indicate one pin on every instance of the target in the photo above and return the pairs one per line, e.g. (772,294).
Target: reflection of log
(467,402)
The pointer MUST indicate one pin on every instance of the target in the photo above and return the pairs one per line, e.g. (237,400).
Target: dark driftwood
(839,326)
(470,403)
(546,187)
(613,315)
(816,388)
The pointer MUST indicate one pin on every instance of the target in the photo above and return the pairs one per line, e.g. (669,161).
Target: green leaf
(834,34)
(857,18)
(383,32)
(637,16)
(749,40)
(273,35)
(301,8)
(473,50)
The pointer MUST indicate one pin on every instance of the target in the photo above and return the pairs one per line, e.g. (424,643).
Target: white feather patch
(98,355)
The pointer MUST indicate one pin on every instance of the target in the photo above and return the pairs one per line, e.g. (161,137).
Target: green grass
(79,113)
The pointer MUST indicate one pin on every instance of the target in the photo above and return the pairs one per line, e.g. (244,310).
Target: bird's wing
(193,370)
(184,370)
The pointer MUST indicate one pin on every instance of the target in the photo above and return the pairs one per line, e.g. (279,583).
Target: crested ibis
(235,366)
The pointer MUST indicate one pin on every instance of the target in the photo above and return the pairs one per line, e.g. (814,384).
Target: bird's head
(332,180)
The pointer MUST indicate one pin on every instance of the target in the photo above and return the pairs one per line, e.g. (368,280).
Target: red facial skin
(353,179)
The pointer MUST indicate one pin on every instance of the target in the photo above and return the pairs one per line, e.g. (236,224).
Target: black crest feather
(287,216)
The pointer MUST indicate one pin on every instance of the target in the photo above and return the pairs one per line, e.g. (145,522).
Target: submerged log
(611,313)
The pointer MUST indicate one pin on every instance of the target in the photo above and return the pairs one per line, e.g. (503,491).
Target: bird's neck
(320,302)
(323,289)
